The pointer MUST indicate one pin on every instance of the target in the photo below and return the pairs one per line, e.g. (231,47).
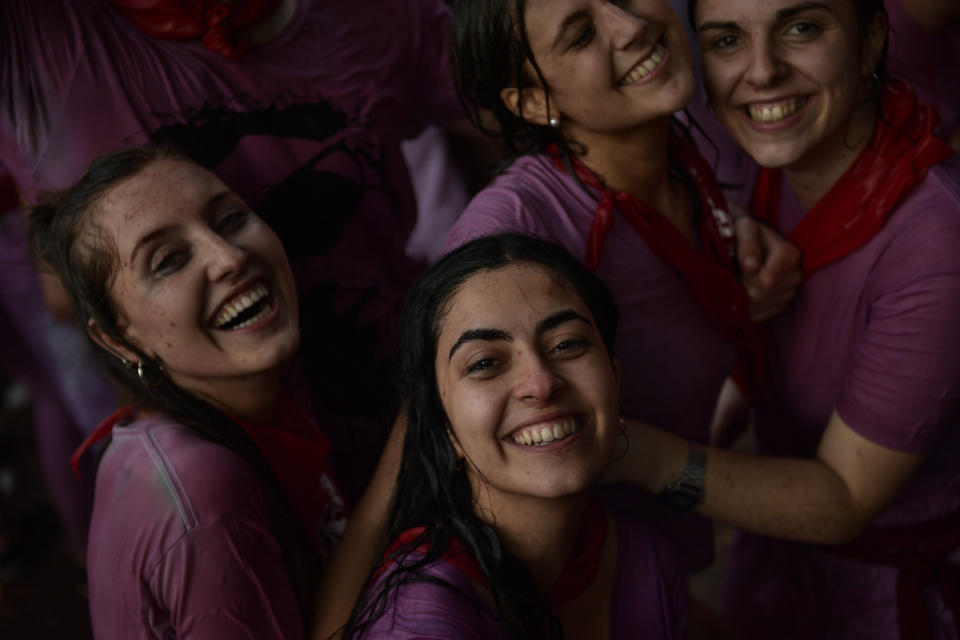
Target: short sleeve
(903,381)
(227,581)
(498,209)
(432,611)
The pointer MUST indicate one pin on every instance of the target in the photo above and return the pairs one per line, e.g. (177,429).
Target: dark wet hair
(64,237)
(433,491)
(490,52)
(866,11)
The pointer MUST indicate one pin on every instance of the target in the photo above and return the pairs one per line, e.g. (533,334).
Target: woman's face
(527,384)
(784,76)
(610,66)
(202,283)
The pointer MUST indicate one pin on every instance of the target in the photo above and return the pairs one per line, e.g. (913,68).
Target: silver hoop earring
(145,376)
(554,122)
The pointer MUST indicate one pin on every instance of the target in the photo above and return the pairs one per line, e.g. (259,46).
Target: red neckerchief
(216,22)
(298,454)
(895,162)
(709,272)
(576,576)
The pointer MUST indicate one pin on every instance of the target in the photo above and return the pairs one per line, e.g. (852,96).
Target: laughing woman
(511,389)
(583,92)
(215,507)
(861,400)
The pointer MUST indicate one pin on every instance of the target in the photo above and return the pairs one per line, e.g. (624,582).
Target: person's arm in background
(354,557)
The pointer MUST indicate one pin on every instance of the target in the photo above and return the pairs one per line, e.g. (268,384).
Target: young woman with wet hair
(856,502)
(215,507)
(511,398)
(583,92)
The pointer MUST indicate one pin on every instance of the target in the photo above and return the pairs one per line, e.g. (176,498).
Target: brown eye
(169,262)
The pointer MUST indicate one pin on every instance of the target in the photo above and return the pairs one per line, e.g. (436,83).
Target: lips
(646,66)
(546,432)
(773,112)
(245,308)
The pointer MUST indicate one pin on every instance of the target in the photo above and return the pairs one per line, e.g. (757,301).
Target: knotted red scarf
(892,165)
(576,576)
(217,23)
(710,271)
(297,452)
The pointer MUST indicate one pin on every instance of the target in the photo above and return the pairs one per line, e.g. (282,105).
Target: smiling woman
(511,389)
(215,506)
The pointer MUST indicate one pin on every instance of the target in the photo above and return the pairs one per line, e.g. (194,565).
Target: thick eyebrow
(567,22)
(470,335)
(782,14)
(208,209)
(557,319)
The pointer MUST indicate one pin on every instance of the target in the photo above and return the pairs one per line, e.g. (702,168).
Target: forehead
(162,193)
(767,11)
(514,297)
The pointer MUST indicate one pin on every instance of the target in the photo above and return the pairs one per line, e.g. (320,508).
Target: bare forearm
(790,498)
(354,556)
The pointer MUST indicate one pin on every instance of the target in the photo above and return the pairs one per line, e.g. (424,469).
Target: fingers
(750,242)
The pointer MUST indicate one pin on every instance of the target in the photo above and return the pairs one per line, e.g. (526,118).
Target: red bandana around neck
(710,272)
(297,452)
(216,22)
(892,165)
(576,576)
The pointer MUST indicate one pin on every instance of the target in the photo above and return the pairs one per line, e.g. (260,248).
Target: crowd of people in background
(436,320)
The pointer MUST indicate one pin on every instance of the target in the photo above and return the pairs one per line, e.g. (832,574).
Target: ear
(530,104)
(454,441)
(617,371)
(109,344)
(873,41)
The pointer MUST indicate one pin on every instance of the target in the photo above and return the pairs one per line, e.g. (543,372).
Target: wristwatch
(686,492)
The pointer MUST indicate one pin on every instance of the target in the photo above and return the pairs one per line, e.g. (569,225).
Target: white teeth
(646,66)
(777,112)
(542,435)
(240,304)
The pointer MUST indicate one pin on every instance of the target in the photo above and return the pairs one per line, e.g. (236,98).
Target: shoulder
(161,460)
(443,604)
(530,196)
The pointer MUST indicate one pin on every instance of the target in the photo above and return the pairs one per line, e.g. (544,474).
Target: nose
(623,27)
(765,67)
(537,383)
(224,260)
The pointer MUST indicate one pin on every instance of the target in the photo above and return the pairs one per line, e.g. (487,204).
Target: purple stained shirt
(649,597)
(180,542)
(876,337)
(673,360)
(306,127)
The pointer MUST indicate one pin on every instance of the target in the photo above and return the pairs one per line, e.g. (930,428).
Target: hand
(770,268)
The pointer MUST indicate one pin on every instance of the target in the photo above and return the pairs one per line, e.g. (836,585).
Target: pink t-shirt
(180,542)
(673,360)
(876,336)
(306,127)
(649,597)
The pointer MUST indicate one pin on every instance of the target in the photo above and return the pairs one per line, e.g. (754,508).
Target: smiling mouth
(645,66)
(540,435)
(776,111)
(245,309)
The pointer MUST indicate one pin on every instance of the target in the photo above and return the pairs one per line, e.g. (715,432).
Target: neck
(250,398)
(537,531)
(813,175)
(636,162)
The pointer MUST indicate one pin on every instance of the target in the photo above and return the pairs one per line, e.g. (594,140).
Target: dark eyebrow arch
(562,31)
(470,335)
(209,208)
(557,319)
(783,14)
(789,12)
